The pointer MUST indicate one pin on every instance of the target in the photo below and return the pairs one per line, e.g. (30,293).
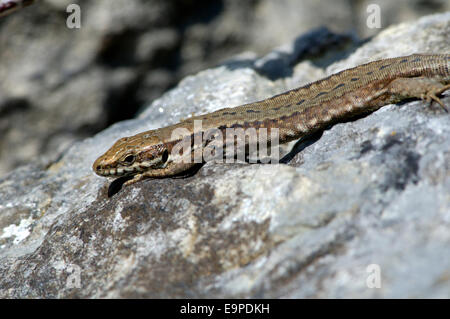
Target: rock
(374,191)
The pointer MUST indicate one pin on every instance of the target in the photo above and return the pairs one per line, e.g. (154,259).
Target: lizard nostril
(98,167)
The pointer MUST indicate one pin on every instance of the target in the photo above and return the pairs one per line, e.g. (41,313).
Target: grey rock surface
(374,191)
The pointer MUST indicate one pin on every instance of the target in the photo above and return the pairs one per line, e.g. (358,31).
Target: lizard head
(132,155)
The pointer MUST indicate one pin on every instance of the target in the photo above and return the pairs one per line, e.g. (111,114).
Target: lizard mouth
(112,172)
(123,170)
(120,171)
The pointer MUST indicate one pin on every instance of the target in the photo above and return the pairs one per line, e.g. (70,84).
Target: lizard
(295,113)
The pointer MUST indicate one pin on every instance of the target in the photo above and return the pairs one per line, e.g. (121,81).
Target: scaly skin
(295,113)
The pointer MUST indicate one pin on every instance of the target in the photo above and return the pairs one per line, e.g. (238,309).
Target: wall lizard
(295,113)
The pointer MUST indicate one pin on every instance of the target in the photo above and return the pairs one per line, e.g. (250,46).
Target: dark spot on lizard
(286,117)
(354,79)
(369,73)
(288,106)
(403,61)
(339,86)
(384,66)
(276,108)
(321,93)
(416,60)
(300,102)
(253,111)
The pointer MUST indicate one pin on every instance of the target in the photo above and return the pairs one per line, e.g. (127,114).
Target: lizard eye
(129,159)
(165,156)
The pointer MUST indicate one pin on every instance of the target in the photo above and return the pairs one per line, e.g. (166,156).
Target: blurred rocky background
(60,85)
